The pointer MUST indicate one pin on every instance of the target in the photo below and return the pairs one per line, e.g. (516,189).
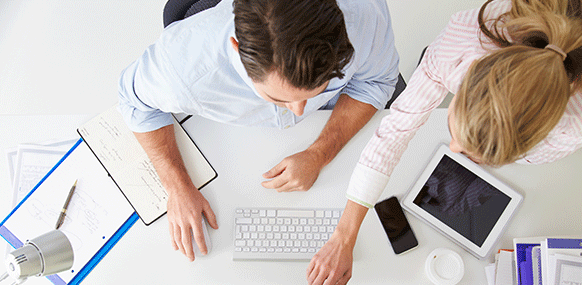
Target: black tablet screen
(462,200)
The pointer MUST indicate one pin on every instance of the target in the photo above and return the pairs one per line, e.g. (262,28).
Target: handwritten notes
(96,211)
(128,164)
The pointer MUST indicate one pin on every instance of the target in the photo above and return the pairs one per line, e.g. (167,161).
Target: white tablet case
(498,228)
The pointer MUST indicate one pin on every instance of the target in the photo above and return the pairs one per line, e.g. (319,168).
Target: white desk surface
(240,155)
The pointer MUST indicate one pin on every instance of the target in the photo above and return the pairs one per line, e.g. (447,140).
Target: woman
(514,68)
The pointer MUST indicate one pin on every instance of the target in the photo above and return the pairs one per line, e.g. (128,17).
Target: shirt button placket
(286,118)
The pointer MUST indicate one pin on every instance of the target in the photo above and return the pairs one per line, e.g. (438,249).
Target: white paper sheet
(568,269)
(28,163)
(96,211)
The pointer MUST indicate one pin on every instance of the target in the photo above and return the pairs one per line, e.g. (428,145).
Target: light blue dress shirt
(193,69)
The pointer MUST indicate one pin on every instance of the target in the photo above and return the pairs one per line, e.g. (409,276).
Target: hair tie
(558,50)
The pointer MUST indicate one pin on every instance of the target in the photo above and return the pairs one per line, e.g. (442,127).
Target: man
(252,67)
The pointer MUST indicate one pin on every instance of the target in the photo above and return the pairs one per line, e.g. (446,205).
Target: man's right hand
(185,216)
(186,205)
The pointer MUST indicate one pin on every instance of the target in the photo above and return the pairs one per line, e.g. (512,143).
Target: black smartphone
(396,225)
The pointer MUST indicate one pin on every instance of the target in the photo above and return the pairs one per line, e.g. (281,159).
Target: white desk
(240,155)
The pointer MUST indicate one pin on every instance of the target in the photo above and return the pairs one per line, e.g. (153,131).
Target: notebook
(116,147)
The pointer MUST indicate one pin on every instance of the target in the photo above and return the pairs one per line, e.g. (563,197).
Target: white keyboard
(282,233)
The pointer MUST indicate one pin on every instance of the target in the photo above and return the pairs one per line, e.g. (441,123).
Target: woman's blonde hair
(513,97)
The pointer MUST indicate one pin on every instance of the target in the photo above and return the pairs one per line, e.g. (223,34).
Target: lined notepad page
(116,147)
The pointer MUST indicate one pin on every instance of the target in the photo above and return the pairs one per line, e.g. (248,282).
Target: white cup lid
(444,267)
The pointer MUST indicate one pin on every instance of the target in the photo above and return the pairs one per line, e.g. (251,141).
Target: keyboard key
(295,213)
(244,221)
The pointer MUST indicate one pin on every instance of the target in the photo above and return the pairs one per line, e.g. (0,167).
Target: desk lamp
(47,254)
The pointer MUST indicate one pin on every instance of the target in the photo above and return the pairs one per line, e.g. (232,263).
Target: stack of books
(538,261)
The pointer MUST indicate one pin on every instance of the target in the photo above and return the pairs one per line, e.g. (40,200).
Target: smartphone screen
(396,225)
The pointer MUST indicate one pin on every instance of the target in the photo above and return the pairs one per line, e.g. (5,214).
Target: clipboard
(116,147)
(96,219)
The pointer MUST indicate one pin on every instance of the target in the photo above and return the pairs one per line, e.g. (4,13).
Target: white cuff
(366,185)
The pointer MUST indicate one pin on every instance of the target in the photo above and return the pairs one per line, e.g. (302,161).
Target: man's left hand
(297,172)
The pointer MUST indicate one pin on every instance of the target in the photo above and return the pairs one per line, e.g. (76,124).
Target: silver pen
(64,210)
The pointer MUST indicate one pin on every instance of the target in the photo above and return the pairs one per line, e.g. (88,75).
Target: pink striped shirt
(441,71)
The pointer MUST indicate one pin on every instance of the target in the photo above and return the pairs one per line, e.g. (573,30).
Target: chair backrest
(400,86)
(176,10)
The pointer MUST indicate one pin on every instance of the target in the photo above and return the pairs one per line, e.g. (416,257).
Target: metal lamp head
(47,254)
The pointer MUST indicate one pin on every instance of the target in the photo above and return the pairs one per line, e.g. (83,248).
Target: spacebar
(296,213)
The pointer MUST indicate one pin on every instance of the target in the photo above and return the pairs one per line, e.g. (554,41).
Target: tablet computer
(463,201)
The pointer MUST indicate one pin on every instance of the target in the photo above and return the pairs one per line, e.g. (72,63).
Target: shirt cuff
(144,121)
(366,185)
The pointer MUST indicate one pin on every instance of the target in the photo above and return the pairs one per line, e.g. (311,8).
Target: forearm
(350,222)
(347,118)
(162,149)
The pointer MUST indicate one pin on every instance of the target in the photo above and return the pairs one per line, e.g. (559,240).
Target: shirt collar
(234,58)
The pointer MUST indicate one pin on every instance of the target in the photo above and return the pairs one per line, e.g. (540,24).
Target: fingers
(315,272)
(281,183)
(294,173)
(187,243)
(344,279)
(275,171)
(199,238)
(177,238)
(332,279)
(310,268)
(174,244)
(277,183)
(318,276)
(210,217)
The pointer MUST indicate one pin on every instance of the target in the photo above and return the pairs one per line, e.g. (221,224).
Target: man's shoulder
(199,42)
(204,28)
(358,11)
(365,18)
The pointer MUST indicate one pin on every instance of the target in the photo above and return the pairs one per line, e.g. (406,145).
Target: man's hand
(186,205)
(297,172)
(185,219)
(332,264)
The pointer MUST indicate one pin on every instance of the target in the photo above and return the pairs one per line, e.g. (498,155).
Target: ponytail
(537,24)
(513,97)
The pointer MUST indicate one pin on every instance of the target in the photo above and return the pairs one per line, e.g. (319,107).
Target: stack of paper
(548,261)
(501,272)
(561,261)
(29,163)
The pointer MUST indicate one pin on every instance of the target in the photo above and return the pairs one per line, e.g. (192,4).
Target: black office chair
(400,86)
(176,10)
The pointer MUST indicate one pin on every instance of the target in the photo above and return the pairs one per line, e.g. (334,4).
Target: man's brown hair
(303,41)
